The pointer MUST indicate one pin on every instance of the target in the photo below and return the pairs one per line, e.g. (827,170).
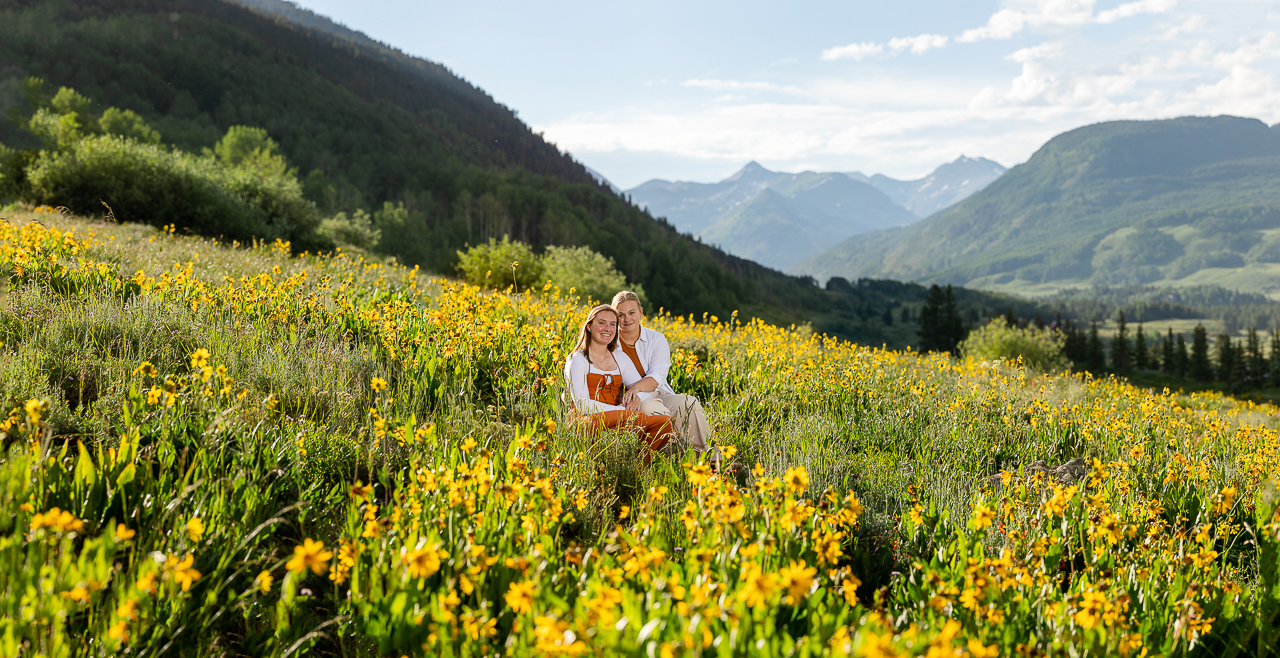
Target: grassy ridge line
(484,529)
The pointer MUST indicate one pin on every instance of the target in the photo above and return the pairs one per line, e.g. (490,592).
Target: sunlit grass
(881,501)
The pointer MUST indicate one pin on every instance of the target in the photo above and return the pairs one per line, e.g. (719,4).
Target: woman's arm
(575,371)
(631,379)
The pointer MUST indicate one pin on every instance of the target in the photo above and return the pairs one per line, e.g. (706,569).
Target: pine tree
(1181,361)
(1238,379)
(1121,356)
(1095,358)
(1256,363)
(1274,371)
(930,319)
(1010,319)
(953,325)
(1038,321)
(1140,349)
(1074,345)
(1226,357)
(1168,365)
(887,318)
(1199,368)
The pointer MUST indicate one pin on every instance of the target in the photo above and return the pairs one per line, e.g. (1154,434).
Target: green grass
(471,379)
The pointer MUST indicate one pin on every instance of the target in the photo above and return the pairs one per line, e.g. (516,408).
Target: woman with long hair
(596,378)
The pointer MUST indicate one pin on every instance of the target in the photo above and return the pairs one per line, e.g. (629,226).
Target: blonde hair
(627,296)
(584,334)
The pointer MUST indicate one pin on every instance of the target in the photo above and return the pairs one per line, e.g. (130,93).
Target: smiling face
(630,315)
(603,328)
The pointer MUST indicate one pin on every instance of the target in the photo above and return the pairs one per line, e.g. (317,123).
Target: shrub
(241,142)
(127,123)
(149,184)
(592,274)
(356,231)
(499,264)
(1040,349)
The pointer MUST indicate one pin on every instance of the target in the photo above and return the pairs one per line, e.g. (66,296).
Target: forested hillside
(1188,201)
(437,162)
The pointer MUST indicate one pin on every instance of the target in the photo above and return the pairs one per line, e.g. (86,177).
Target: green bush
(1040,349)
(250,148)
(592,275)
(500,264)
(147,183)
(355,231)
(127,123)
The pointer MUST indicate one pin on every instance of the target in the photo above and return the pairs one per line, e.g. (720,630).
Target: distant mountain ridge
(948,185)
(1177,202)
(778,219)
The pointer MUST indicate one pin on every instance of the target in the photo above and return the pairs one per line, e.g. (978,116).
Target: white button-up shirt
(655,356)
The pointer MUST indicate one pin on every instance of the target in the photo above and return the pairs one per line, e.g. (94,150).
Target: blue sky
(694,90)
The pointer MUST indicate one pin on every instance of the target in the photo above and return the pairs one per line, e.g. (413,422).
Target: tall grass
(857,515)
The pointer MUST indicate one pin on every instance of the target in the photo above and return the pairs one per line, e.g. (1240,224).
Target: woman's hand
(627,396)
(633,404)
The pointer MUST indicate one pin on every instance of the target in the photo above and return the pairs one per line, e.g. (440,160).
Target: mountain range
(947,185)
(778,219)
(1177,202)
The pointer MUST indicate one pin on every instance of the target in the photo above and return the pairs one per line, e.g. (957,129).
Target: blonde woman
(596,381)
(648,352)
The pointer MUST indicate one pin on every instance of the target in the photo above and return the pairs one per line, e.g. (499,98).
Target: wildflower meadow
(220,449)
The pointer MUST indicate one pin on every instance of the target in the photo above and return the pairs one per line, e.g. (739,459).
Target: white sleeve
(659,360)
(575,370)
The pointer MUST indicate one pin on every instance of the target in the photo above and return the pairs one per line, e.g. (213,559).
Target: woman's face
(603,328)
(629,317)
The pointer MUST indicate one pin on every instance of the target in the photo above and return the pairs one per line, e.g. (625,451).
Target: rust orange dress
(597,394)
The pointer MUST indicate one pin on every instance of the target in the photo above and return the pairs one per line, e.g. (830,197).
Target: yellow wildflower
(264,581)
(520,597)
(309,554)
(195,528)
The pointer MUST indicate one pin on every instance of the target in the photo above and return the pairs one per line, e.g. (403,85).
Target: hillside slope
(1185,201)
(367,126)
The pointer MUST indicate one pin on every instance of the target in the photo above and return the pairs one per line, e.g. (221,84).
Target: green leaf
(85,470)
(126,475)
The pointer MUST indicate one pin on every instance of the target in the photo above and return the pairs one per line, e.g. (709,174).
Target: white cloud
(1267,46)
(1002,25)
(1042,51)
(735,85)
(1192,24)
(1243,91)
(1033,83)
(854,51)
(918,44)
(1134,8)
(1007,22)
(1199,54)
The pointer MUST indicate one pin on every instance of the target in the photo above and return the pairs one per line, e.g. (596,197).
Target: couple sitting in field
(617,376)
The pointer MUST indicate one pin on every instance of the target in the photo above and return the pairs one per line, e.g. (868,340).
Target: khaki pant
(686,416)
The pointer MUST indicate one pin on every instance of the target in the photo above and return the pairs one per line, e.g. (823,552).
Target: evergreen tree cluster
(941,328)
(1236,364)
